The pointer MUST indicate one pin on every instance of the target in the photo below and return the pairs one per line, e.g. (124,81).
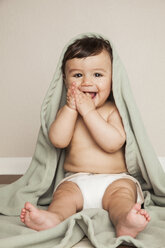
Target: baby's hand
(84,102)
(71,103)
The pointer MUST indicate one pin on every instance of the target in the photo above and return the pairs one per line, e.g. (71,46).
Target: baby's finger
(73,84)
(78,97)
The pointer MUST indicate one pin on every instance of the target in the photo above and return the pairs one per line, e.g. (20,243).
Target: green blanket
(46,170)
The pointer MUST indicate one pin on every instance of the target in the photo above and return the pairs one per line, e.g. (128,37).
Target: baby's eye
(77,75)
(98,74)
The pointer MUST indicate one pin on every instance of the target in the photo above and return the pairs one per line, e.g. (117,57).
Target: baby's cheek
(69,82)
(106,88)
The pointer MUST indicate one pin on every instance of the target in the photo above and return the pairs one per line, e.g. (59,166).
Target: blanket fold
(46,171)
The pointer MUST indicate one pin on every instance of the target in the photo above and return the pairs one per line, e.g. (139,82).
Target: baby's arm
(61,130)
(110,134)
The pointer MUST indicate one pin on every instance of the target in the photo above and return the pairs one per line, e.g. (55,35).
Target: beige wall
(32,35)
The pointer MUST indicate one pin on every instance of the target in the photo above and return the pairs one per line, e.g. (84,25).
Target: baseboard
(18,166)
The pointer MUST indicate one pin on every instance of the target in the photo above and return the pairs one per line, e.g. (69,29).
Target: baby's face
(91,75)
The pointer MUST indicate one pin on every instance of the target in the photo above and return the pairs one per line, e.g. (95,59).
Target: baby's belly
(95,161)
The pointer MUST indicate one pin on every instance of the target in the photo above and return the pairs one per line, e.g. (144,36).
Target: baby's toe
(23,211)
(22,218)
(22,215)
(148,217)
(145,214)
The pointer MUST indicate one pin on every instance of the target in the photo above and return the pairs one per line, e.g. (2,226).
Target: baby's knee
(71,191)
(120,189)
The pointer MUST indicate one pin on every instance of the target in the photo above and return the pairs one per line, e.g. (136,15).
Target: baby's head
(88,60)
(85,47)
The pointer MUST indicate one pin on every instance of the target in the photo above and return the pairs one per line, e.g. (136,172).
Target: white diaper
(93,186)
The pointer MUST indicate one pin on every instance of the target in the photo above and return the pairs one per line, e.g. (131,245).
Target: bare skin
(96,122)
(38,219)
(134,222)
(110,162)
(129,219)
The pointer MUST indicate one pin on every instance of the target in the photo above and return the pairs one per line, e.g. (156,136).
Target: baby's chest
(81,133)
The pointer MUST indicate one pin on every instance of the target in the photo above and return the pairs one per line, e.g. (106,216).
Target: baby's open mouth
(92,94)
(92,91)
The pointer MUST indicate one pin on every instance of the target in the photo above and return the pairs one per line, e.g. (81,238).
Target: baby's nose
(87,81)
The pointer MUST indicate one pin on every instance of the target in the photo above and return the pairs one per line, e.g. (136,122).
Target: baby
(89,126)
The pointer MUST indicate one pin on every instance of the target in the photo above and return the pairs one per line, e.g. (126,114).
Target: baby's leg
(67,200)
(120,201)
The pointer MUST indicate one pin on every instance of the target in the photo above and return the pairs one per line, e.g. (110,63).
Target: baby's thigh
(121,189)
(69,192)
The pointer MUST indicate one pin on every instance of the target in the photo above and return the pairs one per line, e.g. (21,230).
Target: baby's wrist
(72,109)
(90,112)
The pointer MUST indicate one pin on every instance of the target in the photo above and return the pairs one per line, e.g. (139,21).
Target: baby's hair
(85,47)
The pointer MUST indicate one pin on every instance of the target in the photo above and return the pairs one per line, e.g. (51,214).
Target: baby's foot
(37,219)
(134,222)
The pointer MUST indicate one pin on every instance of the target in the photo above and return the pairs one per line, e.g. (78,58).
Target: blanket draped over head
(46,171)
